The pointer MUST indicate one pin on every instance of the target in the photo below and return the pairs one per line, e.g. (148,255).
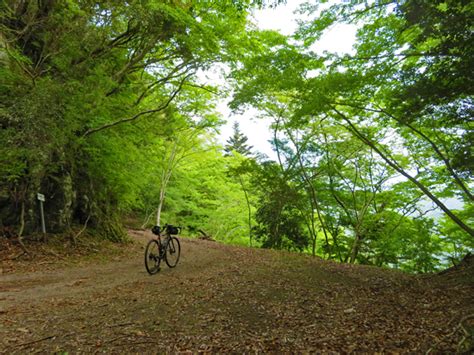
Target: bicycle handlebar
(167,227)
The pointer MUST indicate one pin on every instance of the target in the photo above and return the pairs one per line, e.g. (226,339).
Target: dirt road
(223,298)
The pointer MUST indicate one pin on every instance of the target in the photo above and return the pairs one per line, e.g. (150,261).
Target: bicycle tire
(173,252)
(152,257)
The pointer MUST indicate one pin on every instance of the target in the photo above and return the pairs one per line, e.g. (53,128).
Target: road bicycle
(169,249)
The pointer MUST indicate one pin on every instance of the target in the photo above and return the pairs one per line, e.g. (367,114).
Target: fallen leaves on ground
(222,298)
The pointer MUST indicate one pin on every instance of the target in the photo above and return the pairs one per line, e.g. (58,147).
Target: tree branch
(352,128)
(426,138)
(175,73)
(133,118)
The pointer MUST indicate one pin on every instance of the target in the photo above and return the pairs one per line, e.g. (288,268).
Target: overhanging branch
(421,134)
(134,117)
(354,130)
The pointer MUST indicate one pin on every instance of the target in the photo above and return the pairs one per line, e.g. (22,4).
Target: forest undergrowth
(224,298)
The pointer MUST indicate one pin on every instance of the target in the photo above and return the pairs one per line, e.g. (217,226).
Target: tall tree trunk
(336,243)
(355,248)
(165,178)
(312,230)
(22,228)
(248,209)
(160,205)
(313,196)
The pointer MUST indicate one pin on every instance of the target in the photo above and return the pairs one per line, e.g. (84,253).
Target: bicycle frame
(168,246)
(163,244)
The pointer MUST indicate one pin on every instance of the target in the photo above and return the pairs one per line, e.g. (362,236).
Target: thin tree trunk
(336,243)
(74,237)
(314,233)
(313,194)
(147,218)
(158,211)
(311,229)
(165,178)
(355,249)
(22,228)
(248,208)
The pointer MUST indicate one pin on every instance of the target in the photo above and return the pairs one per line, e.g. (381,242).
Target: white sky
(338,39)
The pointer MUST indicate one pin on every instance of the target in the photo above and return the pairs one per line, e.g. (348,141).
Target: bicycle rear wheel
(173,251)
(152,257)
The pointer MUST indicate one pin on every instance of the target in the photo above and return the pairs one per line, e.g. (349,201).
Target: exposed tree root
(22,228)
(466,344)
(205,236)
(74,237)
(468,259)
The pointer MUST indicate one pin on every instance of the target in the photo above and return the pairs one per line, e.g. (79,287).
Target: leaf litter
(223,298)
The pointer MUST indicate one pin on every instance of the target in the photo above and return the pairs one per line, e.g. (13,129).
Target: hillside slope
(224,298)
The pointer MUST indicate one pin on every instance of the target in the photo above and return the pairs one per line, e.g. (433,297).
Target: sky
(283,19)
(338,39)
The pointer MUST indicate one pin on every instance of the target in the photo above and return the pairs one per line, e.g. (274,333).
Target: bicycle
(169,249)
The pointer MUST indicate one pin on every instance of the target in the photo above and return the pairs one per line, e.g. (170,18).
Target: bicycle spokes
(152,257)
(172,252)
(169,250)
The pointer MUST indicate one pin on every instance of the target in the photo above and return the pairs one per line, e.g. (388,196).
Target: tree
(240,165)
(395,101)
(77,75)
(406,48)
(279,220)
(237,148)
(360,92)
(237,142)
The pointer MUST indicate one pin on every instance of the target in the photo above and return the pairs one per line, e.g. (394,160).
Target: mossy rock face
(60,199)
(60,209)
(112,230)
(8,213)
(63,206)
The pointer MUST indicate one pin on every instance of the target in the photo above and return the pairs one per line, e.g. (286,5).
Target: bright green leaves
(275,69)
(442,7)
(94,89)
(103,97)
(403,97)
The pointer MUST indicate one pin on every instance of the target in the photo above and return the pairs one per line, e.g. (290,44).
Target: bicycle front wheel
(152,257)
(173,251)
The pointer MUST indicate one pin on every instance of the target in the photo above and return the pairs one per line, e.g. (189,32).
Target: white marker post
(41,199)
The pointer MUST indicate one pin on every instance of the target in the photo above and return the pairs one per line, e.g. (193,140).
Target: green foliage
(86,85)
(278,217)
(203,197)
(102,110)
(238,142)
(399,105)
